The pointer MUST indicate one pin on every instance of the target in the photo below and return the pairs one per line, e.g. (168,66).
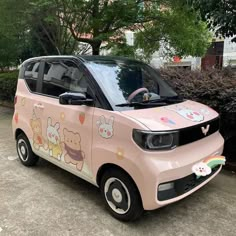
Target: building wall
(229,55)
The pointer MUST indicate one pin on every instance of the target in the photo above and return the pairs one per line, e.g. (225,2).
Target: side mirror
(75,99)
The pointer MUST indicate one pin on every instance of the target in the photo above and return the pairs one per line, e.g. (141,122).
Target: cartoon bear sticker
(72,148)
(38,140)
(36,126)
(105,129)
(54,140)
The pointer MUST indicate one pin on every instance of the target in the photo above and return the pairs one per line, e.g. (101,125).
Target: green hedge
(216,88)
(8,82)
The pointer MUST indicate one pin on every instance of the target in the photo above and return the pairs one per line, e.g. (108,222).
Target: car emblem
(205,130)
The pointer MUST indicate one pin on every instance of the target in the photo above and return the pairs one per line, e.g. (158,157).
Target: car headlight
(156,140)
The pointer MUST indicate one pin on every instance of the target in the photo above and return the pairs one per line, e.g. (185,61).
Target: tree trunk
(96,47)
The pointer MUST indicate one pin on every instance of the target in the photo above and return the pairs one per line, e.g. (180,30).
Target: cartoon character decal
(105,129)
(54,140)
(36,126)
(188,113)
(167,121)
(205,111)
(23,101)
(72,148)
(38,140)
(201,169)
(205,167)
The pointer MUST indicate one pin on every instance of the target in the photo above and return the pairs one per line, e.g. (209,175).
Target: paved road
(46,200)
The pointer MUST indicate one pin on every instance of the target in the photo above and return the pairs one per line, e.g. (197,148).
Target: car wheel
(24,150)
(121,195)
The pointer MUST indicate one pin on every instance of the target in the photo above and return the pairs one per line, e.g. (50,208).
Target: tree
(219,14)
(59,27)
(177,31)
(9,45)
(37,26)
(171,21)
(97,21)
(8,52)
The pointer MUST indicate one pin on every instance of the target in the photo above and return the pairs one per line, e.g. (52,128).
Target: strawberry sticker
(82,117)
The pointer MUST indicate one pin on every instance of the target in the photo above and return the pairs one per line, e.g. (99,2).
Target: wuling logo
(205,130)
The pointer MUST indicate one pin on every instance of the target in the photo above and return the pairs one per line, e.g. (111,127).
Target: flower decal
(120,153)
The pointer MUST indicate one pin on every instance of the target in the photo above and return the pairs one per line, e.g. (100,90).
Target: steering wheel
(136,92)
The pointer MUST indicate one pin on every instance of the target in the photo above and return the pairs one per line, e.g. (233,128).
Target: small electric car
(115,123)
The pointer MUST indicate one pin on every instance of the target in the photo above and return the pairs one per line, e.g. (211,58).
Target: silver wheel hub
(23,151)
(116,194)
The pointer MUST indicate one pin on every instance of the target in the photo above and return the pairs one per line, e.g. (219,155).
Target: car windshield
(120,79)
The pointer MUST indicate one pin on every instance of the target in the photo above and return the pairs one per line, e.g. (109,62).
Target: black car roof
(91,58)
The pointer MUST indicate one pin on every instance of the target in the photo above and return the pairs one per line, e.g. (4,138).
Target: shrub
(216,88)
(8,82)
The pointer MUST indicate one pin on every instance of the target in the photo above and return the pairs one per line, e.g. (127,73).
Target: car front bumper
(169,176)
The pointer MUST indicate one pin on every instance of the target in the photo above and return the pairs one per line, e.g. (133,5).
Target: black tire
(117,184)
(24,151)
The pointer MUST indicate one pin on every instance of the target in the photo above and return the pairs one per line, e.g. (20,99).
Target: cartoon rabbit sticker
(54,140)
(105,129)
(188,113)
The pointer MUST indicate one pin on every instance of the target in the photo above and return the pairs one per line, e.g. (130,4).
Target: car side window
(31,75)
(63,76)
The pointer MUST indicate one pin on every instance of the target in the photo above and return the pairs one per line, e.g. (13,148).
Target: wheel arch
(18,132)
(108,166)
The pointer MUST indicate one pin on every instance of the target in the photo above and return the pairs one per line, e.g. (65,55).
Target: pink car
(115,123)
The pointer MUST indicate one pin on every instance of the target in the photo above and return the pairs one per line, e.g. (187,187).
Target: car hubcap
(23,150)
(117,195)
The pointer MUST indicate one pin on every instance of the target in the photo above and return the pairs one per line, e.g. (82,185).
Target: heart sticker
(16,118)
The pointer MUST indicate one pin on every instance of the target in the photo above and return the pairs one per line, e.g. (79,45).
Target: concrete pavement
(45,200)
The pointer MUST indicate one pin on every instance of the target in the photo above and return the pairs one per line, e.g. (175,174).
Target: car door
(67,129)
(27,104)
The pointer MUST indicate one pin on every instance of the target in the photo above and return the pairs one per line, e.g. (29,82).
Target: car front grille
(194,133)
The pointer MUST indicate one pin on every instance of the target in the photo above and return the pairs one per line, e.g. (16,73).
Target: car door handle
(39,105)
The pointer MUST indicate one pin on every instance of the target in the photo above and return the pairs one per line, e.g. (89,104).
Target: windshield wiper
(168,100)
(142,104)
(163,101)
